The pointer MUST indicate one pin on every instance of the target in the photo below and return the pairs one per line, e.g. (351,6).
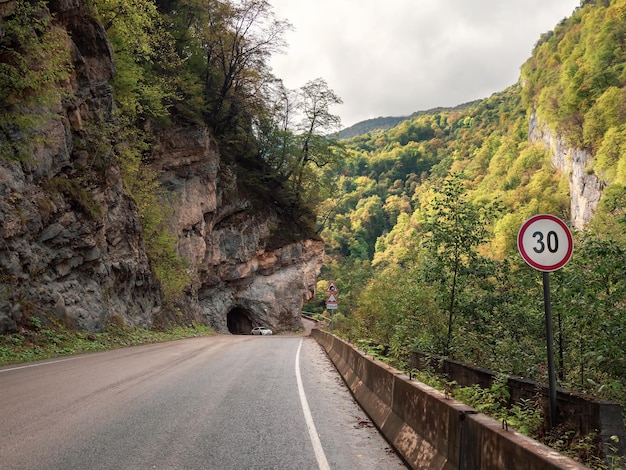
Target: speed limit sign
(545,242)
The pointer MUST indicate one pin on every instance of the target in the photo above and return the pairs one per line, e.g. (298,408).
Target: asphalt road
(221,402)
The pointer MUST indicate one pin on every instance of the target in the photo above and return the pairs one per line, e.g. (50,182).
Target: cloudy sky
(395,57)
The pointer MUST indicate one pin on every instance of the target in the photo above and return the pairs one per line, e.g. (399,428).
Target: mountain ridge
(388,122)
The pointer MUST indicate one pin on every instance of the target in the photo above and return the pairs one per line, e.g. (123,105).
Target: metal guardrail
(310,316)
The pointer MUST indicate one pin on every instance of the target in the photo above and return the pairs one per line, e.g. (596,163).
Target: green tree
(316,149)
(398,311)
(276,140)
(368,220)
(237,40)
(594,326)
(299,155)
(455,228)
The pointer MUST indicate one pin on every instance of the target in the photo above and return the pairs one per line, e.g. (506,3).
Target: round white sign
(545,242)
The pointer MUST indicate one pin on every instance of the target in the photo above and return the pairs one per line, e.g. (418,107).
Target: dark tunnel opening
(238,321)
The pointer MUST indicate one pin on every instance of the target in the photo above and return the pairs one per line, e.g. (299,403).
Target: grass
(37,342)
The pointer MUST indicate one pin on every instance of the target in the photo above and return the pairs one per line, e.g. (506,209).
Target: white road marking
(37,364)
(322,463)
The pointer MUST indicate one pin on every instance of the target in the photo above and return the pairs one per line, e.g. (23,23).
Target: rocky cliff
(71,244)
(585,187)
(241,277)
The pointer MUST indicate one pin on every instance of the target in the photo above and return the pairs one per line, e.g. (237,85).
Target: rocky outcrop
(238,282)
(585,187)
(71,244)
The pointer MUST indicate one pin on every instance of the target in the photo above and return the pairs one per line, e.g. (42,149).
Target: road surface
(220,402)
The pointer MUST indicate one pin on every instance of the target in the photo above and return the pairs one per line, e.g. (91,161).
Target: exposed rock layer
(585,188)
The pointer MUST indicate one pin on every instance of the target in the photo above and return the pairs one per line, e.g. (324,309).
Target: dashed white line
(322,462)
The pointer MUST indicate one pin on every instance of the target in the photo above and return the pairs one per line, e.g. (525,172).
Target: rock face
(238,281)
(585,189)
(71,245)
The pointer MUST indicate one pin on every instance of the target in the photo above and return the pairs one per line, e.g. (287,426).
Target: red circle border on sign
(528,259)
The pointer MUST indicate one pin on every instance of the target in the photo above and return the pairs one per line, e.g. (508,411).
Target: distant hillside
(388,122)
(363,127)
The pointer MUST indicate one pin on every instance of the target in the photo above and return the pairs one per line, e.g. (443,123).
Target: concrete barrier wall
(584,414)
(429,430)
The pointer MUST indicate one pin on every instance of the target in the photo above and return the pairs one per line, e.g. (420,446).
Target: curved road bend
(221,402)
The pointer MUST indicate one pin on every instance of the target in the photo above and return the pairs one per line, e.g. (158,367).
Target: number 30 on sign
(545,242)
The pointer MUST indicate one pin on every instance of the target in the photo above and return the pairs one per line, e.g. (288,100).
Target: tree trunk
(451,308)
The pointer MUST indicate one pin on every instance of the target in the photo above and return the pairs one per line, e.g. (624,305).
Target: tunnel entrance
(238,321)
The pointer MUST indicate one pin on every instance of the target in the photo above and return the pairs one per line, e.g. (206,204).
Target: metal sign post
(546,244)
(550,349)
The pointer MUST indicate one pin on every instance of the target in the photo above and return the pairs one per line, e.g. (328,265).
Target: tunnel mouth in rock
(239,321)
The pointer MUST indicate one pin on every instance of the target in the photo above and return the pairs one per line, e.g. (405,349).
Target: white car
(261,330)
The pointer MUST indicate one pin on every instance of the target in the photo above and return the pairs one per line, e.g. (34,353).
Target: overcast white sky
(395,57)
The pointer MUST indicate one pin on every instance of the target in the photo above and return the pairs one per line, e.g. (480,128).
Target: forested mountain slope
(421,233)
